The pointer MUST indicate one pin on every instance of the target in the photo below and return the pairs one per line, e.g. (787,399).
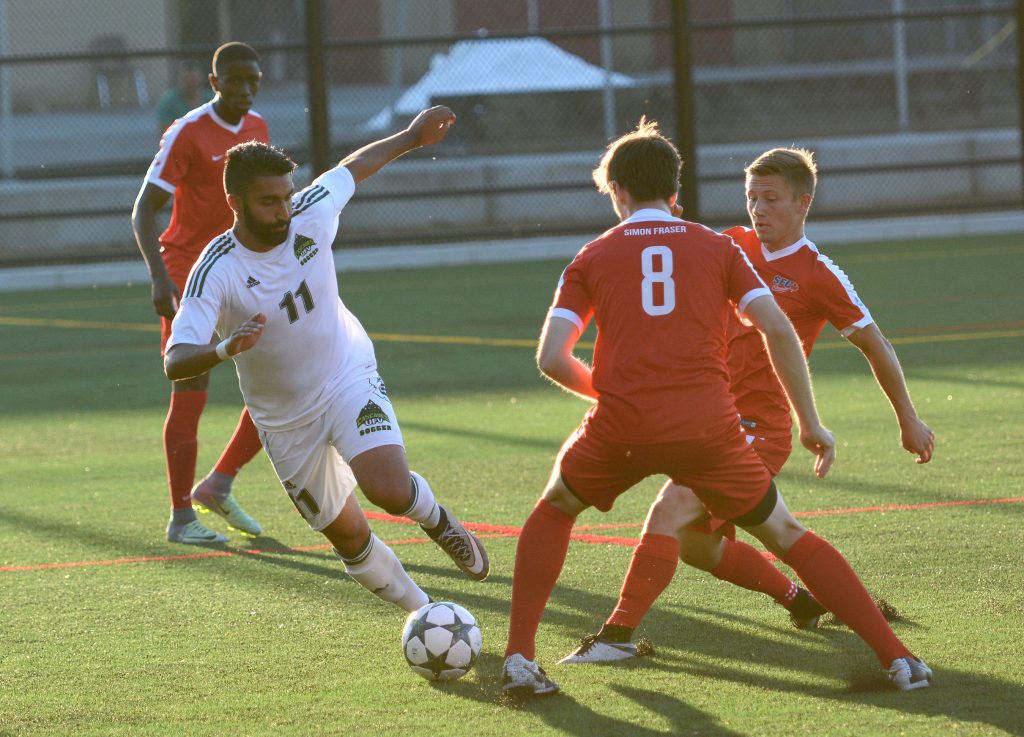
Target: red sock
(651,570)
(744,566)
(181,443)
(833,583)
(242,448)
(540,556)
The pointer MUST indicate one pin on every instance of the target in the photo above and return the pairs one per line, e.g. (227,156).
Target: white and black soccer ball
(441,641)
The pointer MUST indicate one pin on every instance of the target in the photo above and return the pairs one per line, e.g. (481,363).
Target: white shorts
(312,461)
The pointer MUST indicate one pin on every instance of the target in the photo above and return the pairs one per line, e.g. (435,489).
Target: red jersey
(659,289)
(756,389)
(809,288)
(190,165)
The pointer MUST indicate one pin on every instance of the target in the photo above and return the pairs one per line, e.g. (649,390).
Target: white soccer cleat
(522,677)
(908,674)
(193,533)
(594,649)
(205,500)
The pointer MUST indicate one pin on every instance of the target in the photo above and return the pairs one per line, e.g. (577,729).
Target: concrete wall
(60,26)
(393,220)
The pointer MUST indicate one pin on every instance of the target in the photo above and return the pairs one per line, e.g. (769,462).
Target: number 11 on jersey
(288,302)
(652,276)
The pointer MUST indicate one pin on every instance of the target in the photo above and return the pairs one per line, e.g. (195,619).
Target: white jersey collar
(650,213)
(220,121)
(788,250)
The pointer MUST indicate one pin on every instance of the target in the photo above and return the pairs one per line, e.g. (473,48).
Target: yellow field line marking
(454,340)
(48,322)
(940,338)
(852,258)
(491,342)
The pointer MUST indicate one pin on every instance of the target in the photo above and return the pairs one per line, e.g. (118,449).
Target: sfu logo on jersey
(304,247)
(782,284)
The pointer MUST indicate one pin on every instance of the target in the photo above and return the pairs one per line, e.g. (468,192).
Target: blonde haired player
(811,290)
(660,290)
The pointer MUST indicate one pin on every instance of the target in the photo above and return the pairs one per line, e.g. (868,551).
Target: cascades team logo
(372,419)
(304,247)
(782,284)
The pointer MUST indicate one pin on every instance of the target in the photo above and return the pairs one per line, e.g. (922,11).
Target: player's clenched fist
(431,125)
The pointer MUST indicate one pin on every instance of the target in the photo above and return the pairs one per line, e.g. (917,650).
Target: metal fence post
(686,113)
(6,118)
(316,89)
(1020,89)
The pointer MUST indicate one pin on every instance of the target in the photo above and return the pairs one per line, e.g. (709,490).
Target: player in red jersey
(660,290)
(190,167)
(811,290)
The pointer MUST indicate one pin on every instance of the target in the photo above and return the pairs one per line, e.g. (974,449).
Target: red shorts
(774,452)
(723,471)
(178,267)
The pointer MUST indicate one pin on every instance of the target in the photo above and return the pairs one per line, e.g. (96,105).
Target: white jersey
(311,346)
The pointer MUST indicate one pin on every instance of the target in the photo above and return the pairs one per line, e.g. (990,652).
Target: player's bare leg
(384,476)
(834,583)
(369,561)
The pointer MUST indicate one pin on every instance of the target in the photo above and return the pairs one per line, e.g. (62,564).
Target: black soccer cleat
(805,610)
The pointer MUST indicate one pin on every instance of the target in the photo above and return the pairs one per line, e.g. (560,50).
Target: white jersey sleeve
(325,198)
(200,314)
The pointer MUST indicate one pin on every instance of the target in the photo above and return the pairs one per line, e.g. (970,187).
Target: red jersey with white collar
(807,285)
(190,165)
(661,290)
(759,395)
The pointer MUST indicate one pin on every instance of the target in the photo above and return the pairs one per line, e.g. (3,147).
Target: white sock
(423,507)
(378,570)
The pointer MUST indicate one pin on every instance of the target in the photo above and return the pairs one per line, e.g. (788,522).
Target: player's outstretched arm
(791,367)
(186,360)
(149,202)
(427,128)
(555,358)
(916,437)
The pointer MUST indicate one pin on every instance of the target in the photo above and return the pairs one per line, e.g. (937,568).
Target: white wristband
(222,350)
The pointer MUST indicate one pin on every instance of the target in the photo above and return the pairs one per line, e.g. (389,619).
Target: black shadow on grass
(109,544)
(569,716)
(956,694)
(504,439)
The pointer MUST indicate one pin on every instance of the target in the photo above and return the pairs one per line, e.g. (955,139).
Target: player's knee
(387,489)
(559,495)
(674,508)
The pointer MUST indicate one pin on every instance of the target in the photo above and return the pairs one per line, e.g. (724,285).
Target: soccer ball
(441,641)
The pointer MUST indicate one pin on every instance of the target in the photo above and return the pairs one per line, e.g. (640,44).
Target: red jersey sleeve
(573,301)
(744,283)
(171,163)
(746,238)
(837,300)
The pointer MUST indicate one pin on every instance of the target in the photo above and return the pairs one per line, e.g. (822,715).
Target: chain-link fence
(913,106)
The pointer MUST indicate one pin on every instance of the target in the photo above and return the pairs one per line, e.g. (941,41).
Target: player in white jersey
(306,366)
